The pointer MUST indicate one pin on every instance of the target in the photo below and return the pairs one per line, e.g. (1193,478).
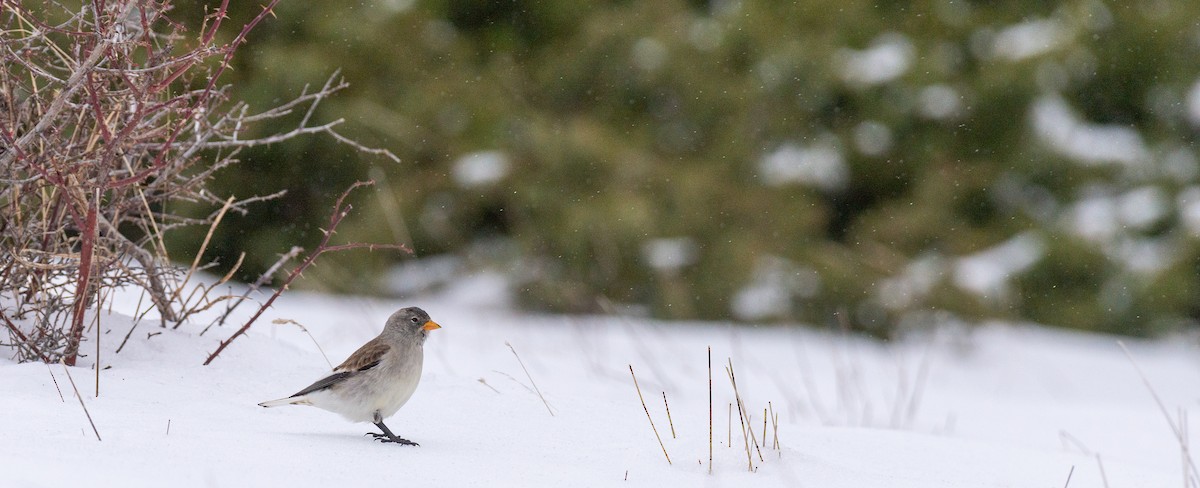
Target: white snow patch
(1193,103)
(914,283)
(939,102)
(819,164)
(1188,203)
(1143,207)
(1059,127)
(1095,218)
(1029,39)
(994,403)
(419,275)
(670,254)
(889,57)
(1144,255)
(1180,165)
(397,6)
(986,273)
(481,168)
(1102,218)
(772,288)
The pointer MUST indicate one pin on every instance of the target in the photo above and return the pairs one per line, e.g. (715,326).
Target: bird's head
(411,321)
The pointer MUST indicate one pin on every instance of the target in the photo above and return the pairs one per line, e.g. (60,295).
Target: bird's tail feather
(298,400)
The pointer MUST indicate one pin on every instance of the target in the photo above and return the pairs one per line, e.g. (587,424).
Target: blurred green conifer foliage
(754,159)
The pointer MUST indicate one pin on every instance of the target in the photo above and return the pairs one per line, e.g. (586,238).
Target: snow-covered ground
(995,405)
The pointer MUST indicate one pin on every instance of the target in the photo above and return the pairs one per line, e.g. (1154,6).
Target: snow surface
(989,406)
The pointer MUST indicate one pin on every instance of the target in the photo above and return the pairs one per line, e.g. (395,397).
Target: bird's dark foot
(391,439)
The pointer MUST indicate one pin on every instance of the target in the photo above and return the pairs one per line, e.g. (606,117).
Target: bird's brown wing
(366,357)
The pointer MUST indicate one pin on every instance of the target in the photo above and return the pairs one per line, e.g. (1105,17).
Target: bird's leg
(387,435)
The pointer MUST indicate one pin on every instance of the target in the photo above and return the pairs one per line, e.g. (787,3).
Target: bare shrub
(112,118)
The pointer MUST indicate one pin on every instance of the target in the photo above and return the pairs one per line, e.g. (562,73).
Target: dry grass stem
(652,427)
(514,380)
(490,387)
(55,380)
(669,421)
(1066,438)
(753,438)
(307,333)
(741,417)
(765,417)
(1069,473)
(1180,435)
(774,426)
(1103,476)
(96,366)
(63,362)
(710,412)
(1185,448)
(527,375)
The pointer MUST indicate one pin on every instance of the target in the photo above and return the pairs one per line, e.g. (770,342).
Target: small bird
(378,379)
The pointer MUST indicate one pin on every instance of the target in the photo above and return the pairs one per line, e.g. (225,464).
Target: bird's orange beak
(431,325)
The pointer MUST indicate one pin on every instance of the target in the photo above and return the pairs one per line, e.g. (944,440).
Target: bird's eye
(415,320)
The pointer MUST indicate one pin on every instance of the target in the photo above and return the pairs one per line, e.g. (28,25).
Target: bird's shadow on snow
(319,439)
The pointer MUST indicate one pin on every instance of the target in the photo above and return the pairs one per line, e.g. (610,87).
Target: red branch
(88,243)
(340,210)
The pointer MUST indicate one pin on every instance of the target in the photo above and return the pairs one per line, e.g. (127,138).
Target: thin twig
(200,252)
(527,375)
(339,212)
(63,362)
(652,427)
(22,340)
(710,412)
(258,283)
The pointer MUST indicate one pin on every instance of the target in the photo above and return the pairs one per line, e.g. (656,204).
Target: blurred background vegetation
(906,162)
